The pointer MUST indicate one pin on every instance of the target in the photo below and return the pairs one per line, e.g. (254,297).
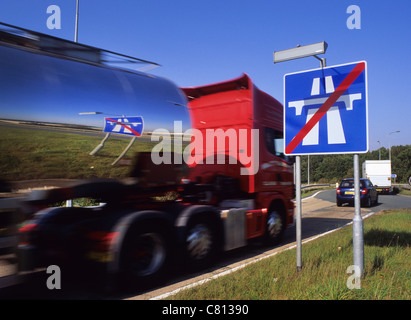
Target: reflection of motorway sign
(326,110)
(132,126)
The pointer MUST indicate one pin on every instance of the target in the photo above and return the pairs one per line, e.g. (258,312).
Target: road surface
(320,214)
(385,202)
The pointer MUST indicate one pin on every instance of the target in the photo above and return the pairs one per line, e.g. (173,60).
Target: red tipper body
(235,105)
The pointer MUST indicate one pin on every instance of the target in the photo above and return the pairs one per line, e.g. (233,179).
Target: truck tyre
(275,227)
(146,255)
(200,247)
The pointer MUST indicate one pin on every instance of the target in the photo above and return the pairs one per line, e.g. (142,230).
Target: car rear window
(347,184)
(350,184)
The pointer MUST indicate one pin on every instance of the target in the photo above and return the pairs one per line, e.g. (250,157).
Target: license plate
(349,192)
(379,189)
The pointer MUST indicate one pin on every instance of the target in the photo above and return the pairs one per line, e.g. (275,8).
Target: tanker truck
(128,175)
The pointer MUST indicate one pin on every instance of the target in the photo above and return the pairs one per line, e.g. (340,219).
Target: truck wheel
(200,246)
(275,227)
(146,255)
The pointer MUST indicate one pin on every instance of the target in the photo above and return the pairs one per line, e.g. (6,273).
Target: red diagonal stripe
(349,79)
(123,124)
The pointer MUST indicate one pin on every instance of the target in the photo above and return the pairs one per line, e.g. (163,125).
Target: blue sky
(201,42)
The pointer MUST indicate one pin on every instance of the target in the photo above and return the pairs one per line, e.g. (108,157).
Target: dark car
(368,193)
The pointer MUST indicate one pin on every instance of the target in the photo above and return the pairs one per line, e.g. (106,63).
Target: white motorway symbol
(335,131)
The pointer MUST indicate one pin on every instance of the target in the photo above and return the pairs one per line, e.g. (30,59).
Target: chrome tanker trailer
(112,164)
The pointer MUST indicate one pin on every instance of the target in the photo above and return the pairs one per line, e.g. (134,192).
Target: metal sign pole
(298,197)
(76,25)
(286,55)
(358,233)
(298,210)
(124,151)
(101,145)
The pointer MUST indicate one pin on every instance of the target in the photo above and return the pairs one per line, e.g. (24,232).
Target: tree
(332,168)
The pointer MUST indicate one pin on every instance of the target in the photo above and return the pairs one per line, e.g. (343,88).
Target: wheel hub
(274,224)
(149,254)
(199,242)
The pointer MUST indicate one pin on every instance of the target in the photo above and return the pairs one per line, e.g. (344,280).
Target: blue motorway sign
(326,110)
(132,126)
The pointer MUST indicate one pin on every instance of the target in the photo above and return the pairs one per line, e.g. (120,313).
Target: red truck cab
(255,142)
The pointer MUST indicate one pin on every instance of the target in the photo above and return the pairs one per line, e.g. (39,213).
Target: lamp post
(311,50)
(389,135)
(76,26)
(379,150)
(302,52)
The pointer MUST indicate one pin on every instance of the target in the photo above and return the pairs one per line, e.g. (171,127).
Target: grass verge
(27,154)
(404,192)
(387,268)
(310,191)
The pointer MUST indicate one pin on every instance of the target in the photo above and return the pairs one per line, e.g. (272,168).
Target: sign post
(291,54)
(326,112)
(298,217)
(358,233)
(129,126)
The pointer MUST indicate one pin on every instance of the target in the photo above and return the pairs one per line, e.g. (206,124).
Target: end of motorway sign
(326,110)
(132,126)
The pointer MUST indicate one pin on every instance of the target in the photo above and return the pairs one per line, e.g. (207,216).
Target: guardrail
(317,185)
(402,185)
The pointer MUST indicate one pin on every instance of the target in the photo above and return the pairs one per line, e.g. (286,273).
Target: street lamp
(389,135)
(76,26)
(379,150)
(311,50)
